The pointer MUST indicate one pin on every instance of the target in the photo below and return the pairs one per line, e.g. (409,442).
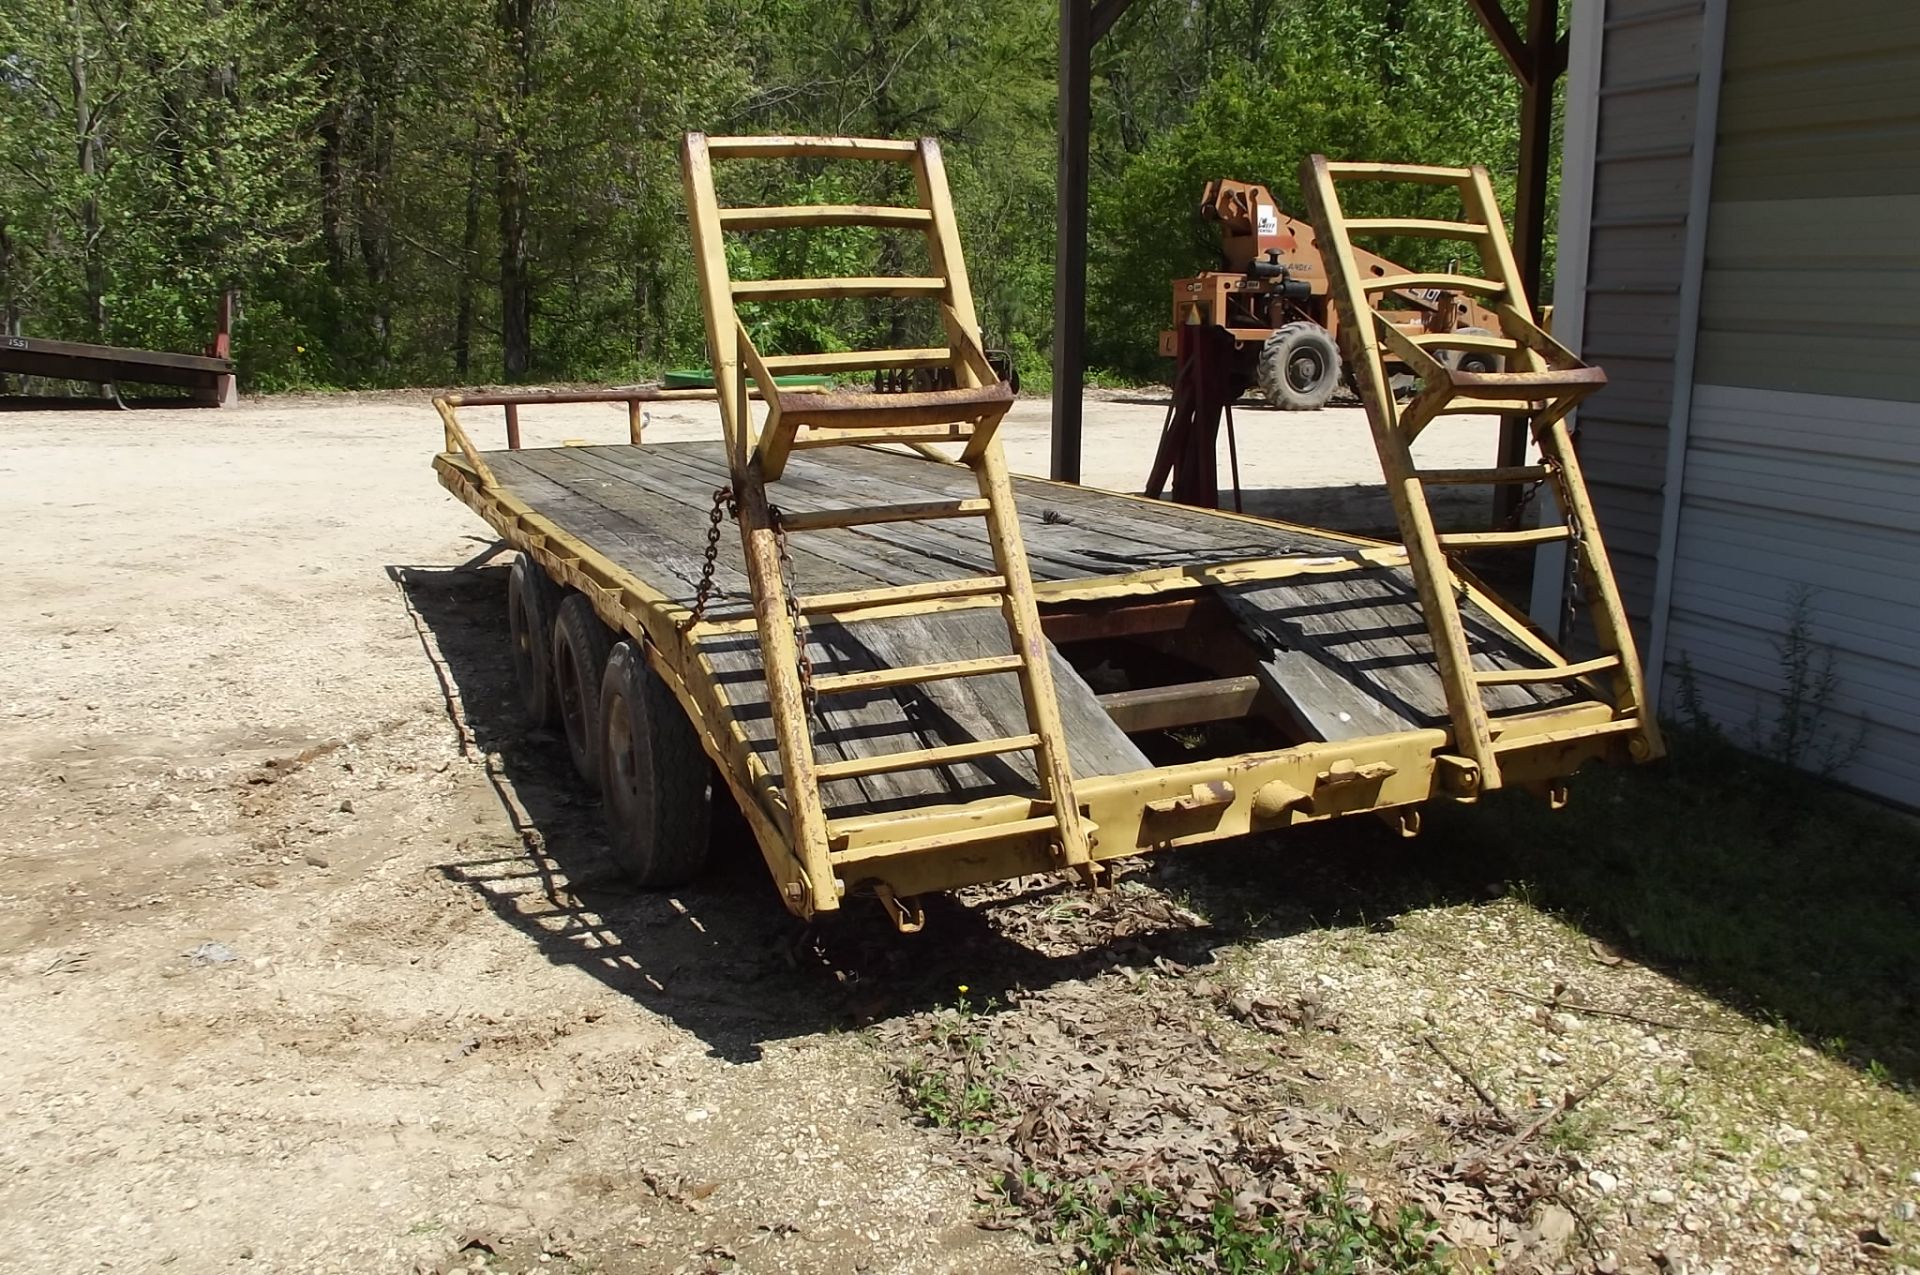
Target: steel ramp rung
(816,437)
(1487,407)
(1514,742)
(950,840)
(1432,283)
(863,515)
(914,674)
(923,758)
(856,360)
(1501,539)
(1557,673)
(1463,341)
(899,151)
(842,286)
(794,215)
(932,591)
(1494,477)
(1534,385)
(1416,227)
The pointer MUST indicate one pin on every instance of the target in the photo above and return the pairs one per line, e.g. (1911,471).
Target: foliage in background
(410,191)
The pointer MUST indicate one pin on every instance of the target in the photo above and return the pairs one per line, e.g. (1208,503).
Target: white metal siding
(1802,460)
(1649,92)
(1786,492)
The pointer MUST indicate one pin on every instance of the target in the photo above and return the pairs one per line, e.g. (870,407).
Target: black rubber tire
(533,599)
(1299,367)
(1478,360)
(656,784)
(580,646)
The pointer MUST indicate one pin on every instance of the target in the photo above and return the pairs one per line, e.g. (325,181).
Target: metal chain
(724,506)
(1574,589)
(1518,513)
(1574,585)
(808,696)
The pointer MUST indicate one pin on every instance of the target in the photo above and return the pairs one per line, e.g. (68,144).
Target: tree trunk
(9,290)
(375,234)
(87,139)
(333,234)
(516,291)
(469,263)
(516,285)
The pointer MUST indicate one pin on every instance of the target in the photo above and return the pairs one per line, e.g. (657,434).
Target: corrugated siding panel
(1786,492)
(1819,103)
(1649,70)
(1812,256)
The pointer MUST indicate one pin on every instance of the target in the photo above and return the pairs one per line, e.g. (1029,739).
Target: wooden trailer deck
(1334,621)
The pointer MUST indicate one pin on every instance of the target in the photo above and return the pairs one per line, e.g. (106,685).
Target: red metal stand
(1204,388)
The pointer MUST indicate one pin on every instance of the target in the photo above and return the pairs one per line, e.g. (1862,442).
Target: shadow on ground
(725,961)
(1781,895)
(1773,893)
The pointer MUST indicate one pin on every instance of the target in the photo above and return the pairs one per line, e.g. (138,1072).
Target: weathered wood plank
(679,470)
(1350,655)
(684,510)
(898,719)
(662,561)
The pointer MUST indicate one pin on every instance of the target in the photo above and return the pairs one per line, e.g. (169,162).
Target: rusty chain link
(1572,585)
(1518,513)
(726,506)
(808,696)
(1573,588)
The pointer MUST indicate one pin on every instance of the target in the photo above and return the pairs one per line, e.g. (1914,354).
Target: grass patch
(1137,1228)
(1782,894)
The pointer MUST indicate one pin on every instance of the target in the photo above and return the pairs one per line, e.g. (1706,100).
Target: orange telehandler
(1270,297)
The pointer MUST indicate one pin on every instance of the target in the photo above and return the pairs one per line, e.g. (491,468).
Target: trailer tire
(1478,360)
(655,781)
(580,647)
(533,600)
(1299,367)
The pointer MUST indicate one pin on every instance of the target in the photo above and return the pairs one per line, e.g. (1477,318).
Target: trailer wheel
(532,601)
(580,646)
(655,781)
(1299,367)
(1478,361)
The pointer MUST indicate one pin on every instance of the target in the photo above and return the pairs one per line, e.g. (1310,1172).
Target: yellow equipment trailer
(915,671)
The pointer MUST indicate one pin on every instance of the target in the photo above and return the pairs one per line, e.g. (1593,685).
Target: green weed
(1138,1227)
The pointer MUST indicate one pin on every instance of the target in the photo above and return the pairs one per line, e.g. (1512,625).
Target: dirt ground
(310,959)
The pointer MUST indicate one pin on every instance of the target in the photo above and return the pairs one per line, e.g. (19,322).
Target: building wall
(1649,87)
(1801,465)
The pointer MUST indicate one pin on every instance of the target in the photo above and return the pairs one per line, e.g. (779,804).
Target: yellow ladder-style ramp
(969,414)
(1541,380)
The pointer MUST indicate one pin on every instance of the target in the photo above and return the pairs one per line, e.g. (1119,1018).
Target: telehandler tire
(580,646)
(1478,360)
(533,600)
(656,784)
(1299,367)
